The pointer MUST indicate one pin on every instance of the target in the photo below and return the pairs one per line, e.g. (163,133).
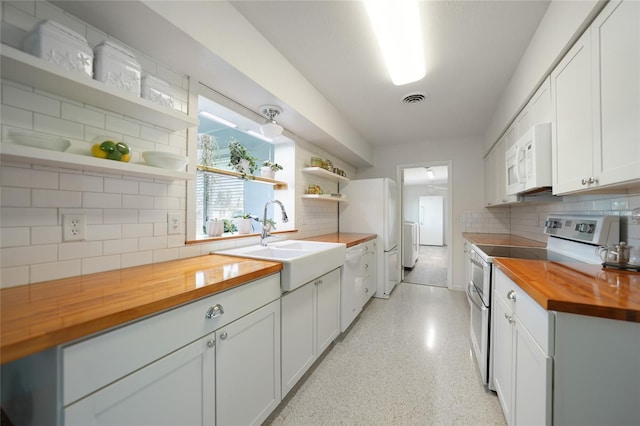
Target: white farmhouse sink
(302,261)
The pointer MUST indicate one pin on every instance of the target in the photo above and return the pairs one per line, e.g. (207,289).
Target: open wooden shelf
(324,173)
(277,185)
(325,197)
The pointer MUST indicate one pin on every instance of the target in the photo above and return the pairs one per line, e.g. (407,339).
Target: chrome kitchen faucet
(266,228)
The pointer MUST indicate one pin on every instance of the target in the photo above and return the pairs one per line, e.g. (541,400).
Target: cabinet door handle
(592,180)
(509,318)
(584,181)
(223,335)
(511,295)
(214,311)
(211,343)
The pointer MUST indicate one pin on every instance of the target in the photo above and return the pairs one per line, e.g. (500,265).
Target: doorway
(425,194)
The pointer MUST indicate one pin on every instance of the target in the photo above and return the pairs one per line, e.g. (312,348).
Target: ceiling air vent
(414,98)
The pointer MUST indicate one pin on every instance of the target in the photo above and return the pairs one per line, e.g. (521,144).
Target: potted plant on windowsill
(269,169)
(243,222)
(241,160)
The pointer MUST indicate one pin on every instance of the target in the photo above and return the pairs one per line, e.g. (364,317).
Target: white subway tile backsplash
(169,76)
(18,256)
(54,198)
(101,200)
(15,197)
(28,178)
(121,186)
(28,6)
(120,125)
(136,259)
(152,243)
(137,230)
(91,133)
(137,201)
(166,203)
(30,101)
(120,216)
(79,249)
(18,17)
(160,229)
(55,270)
(14,237)
(16,117)
(138,145)
(104,232)
(127,245)
(45,10)
(92,265)
(152,216)
(57,126)
(175,240)
(152,188)
(11,277)
(189,251)
(74,182)
(46,235)
(155,135)
(166,254)
(20,216)
(82,115)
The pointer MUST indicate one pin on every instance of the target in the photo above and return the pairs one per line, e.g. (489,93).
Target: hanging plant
(241,160)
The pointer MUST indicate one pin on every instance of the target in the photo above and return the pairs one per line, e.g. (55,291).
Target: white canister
(116,66)
(157,91)
(61,46)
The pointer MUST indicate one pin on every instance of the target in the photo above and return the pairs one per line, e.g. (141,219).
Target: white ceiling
(471,50)
(419,176)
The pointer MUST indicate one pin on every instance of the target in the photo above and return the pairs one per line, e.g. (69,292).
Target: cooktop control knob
(552,224)
(584,227)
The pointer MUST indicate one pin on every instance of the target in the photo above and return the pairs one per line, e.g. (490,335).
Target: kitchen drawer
(537,320)
(95,362)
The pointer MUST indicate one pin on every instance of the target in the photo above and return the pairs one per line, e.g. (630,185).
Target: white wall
(127,217)
(411,204)
(465,176)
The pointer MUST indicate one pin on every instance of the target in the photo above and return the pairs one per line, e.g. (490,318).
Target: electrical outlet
(174,223)
(74,227)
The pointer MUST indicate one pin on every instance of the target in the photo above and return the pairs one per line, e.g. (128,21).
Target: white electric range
(571,238)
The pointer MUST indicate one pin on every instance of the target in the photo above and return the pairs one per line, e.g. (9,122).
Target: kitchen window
(216,194)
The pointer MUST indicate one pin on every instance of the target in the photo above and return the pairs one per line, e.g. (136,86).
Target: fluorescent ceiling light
(398,30)
(259,135)
(207,114)
(430,174)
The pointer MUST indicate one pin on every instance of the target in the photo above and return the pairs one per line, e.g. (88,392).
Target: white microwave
(529,161)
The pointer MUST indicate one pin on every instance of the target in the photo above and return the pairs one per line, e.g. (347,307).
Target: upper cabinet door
(540,104)
(572,118)
(616,73)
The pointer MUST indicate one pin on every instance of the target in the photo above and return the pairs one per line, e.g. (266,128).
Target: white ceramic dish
(165,160)
(53,143)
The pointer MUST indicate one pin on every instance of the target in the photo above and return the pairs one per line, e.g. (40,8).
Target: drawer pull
(211,343)
(511,295)
(215,311)
(509,318)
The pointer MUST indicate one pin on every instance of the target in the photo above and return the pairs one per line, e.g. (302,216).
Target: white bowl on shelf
(165,160)
(35,140)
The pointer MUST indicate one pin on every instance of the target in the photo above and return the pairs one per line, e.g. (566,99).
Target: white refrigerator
(372,207)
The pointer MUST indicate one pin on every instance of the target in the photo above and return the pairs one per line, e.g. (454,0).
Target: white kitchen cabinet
(496,174)
(596,104)
(174,362)
(522,361)
(616,78)
(540,105)
(248,367)
(176,389)
(370,269)
(310,322)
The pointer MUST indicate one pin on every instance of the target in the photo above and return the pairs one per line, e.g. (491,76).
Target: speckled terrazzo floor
(405,361)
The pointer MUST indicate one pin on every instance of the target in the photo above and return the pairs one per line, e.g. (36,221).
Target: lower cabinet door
(328,309)
(176,389)
(297,334)
(503,356)
(248,367)
(533,377)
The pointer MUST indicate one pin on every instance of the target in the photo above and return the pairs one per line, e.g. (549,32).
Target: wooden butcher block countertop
(40,316)
(501,240)
(349,238)
(577,288)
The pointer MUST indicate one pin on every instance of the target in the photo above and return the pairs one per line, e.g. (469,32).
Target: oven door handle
(480,305)
(481,263)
